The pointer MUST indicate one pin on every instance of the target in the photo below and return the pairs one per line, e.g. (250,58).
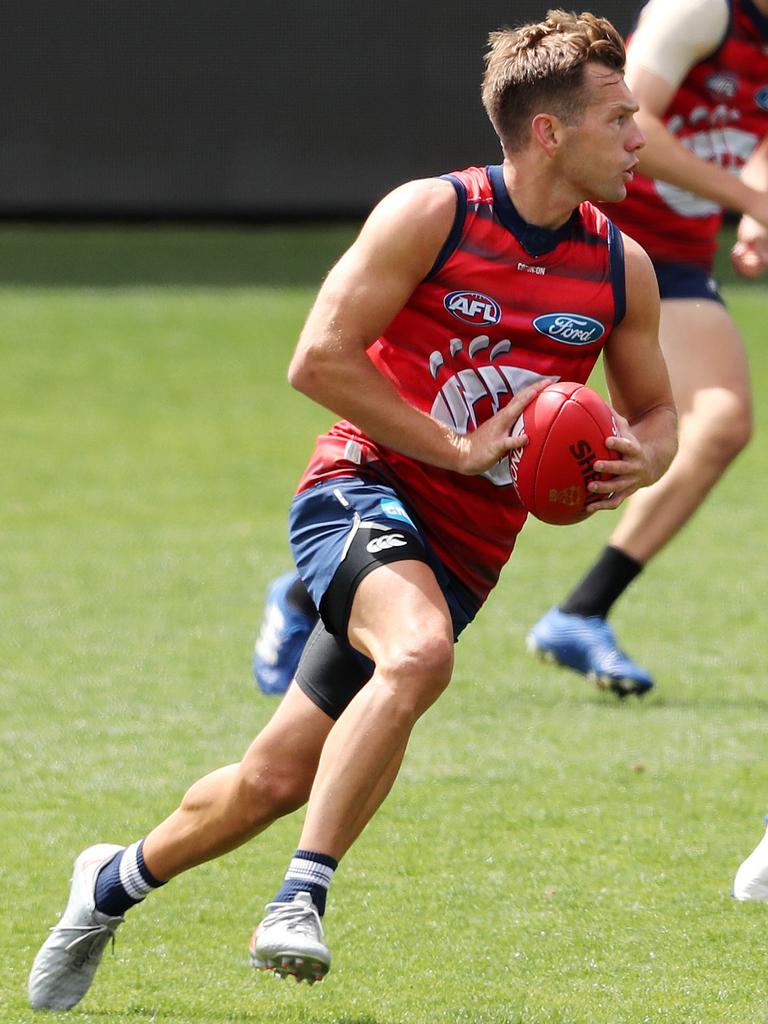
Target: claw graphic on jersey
(456,345)
(473,394)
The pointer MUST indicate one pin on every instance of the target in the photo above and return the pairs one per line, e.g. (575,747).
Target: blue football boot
(587,645)
(283,634)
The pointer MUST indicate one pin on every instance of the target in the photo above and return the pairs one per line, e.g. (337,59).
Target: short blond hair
(539,68)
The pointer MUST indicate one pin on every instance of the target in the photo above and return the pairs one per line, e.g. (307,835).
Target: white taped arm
(674,35)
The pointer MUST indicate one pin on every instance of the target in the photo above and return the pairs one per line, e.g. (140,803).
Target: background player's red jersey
(505,304)
(720,113)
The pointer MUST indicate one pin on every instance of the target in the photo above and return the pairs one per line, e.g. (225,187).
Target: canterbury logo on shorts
(370,543)
(389,540)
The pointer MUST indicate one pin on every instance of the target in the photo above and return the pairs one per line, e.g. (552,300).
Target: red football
(566,425)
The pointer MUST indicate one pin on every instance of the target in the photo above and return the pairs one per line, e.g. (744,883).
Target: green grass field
(548,856)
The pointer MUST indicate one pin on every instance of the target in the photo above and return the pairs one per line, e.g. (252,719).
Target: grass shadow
(223,1016)
(163,255)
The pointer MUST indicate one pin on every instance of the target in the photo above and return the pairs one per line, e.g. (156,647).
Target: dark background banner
(260,109)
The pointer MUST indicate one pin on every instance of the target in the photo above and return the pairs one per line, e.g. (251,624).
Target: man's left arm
(640,391)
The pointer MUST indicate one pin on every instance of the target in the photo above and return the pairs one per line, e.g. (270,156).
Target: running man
(423,339)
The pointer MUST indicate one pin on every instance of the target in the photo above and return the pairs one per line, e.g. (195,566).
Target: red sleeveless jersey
(720,113)
(505,304)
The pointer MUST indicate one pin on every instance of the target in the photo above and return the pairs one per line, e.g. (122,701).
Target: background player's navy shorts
(686,281)
(343,528)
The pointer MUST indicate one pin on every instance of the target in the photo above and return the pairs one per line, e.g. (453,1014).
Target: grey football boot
(289,941)
(66,962)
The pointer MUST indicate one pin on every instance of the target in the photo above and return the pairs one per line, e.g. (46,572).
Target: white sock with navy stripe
(308,872)
(124,881)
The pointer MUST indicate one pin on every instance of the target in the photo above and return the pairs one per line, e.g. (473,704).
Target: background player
(289,617)
(751,881)
(406,513)
(699,71)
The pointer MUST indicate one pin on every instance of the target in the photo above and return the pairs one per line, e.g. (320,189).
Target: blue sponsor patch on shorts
(394,510)
(325,519)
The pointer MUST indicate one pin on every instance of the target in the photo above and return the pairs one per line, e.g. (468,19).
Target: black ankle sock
(605,582)
(298,596)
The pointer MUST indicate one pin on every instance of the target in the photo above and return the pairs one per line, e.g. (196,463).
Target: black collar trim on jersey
(536,241)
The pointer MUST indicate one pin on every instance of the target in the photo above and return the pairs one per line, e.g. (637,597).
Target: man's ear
(547,131)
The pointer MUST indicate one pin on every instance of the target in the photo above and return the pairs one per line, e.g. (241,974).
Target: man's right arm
(396,249)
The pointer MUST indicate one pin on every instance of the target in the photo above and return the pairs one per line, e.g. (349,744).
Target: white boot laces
(299,917)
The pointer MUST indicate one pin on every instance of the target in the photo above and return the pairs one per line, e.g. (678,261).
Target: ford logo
(473,308)
(570,328)
(761,97)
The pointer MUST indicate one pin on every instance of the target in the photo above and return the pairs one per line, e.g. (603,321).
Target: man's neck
(535,196)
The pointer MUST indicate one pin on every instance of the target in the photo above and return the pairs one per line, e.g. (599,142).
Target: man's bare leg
(710,380)
(232,804)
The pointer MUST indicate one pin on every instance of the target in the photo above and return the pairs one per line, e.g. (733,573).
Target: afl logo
(473,308)
(761,97)
(570,328)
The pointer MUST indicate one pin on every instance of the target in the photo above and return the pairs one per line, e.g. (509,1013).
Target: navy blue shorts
(340,530)
(686,281)
(343,528)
